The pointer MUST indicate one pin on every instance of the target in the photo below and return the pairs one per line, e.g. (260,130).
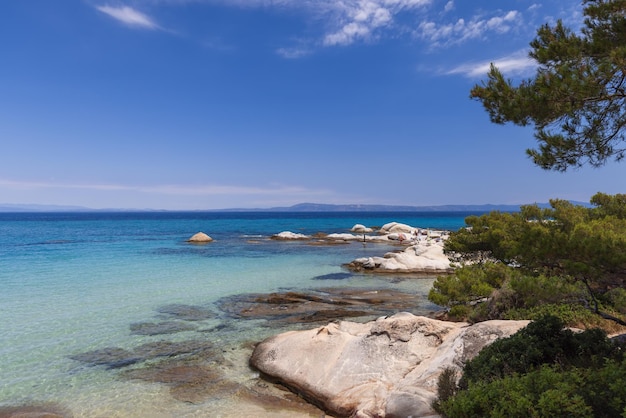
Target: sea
(75,283)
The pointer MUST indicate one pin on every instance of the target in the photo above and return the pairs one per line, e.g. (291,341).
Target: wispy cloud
(129,16)
(293,53)
(446,34)
(516,64)
(360,19)
(166,189)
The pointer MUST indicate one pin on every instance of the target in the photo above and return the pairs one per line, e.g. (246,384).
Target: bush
(543,341)
(542,371)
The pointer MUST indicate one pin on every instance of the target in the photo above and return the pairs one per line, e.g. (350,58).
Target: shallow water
(72,283)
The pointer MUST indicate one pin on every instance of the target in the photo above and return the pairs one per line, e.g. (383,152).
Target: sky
(215,104)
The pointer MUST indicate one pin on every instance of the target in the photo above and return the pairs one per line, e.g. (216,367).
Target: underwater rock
(317,306)
(186,312)
(115,358)
(160,328)
(188,382)
(111,357)
(44,410)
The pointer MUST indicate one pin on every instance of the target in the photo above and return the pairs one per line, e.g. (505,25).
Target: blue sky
(209,104)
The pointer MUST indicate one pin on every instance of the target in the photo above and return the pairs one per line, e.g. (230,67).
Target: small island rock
(200,237)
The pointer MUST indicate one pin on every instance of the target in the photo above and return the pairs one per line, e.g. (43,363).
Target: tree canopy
(563,254)
(576,100)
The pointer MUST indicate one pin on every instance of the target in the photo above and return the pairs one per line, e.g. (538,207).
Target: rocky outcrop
(426,257)
(384,368)
(200,238)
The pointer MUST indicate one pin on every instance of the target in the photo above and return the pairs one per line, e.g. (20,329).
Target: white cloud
(449,6)
(129,16)
(356,20)
(293,53)
(516,64)
(461,31)
(166,189)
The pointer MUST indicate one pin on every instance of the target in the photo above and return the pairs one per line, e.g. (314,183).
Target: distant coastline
(301,207)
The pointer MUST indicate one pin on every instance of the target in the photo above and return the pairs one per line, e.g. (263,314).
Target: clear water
(71,283)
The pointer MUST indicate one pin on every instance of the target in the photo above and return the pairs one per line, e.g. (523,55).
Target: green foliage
(572,315)
(617,298)
(575,101)
(542,371)
(446,386)
(568,240)
(468,287)
(543,341)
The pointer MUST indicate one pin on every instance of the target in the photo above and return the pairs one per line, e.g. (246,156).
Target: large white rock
(358,228)
(384,368)
(288,235)
(424,257)
(396,227)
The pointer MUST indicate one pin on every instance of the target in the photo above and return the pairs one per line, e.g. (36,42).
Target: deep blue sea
(74,282)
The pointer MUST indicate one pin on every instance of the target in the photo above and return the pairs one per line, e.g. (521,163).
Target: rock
(186,312)
(288,235)
(396,227)
(44,410)
(384,368)
(318,306)
(200,238)
(116,358)
(160,328)
(193,383)
(423,258)
(361,229)
(111,357)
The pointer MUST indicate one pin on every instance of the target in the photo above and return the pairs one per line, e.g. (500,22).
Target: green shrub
(572,315)
(617,298)
(543,370)
(543,341)
(548,391)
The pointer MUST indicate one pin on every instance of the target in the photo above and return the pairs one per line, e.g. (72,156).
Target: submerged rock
(384,368)
(318,306)
(160,328)
(43,410)
(111,357)
(188,382)
(186,312)
(115,357)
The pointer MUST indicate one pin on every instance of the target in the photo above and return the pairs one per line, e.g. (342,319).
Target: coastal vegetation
(566,260)
(543,370)
(563,267)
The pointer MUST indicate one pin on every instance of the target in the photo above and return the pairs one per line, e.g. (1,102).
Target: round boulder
(361,229)
(200,237)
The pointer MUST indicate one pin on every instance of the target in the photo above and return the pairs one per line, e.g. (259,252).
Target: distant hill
(320,207)
(301,207)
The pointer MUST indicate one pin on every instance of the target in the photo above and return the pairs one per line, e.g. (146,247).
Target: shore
(191,358)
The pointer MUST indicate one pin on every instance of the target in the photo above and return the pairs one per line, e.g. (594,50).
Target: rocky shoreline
(384,362)
(422,251)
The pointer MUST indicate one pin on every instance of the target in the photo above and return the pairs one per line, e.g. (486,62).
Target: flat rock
(186,312)
(384,368)
(46,410)
(318,306)
(160,328)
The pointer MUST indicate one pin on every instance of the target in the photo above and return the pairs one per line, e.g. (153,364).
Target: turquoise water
(71,283)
